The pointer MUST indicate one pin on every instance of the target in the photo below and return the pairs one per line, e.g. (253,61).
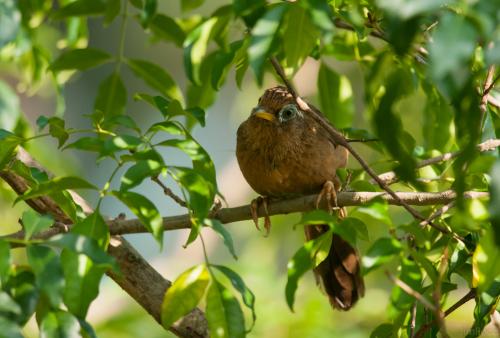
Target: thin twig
(438,213)
(488,84)
(167,191)
(468,296)
(391,178)
(409,290)
(361,140)
(413,319)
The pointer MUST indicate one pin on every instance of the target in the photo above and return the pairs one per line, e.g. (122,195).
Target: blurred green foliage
(429,70)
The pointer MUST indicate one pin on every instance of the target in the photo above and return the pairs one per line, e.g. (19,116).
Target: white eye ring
(288,112)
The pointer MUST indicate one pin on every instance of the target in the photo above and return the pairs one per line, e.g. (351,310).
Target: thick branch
(139,279)
(277,207)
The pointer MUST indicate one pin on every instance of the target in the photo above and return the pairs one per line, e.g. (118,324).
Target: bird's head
(277,108)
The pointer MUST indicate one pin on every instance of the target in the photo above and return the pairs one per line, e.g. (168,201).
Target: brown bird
(282,152)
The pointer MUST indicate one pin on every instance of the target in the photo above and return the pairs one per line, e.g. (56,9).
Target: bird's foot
(254,208)
(329,193)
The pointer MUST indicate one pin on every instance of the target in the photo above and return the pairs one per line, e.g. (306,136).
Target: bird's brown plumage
(282,156)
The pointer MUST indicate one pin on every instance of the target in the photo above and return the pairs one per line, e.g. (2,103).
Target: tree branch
(390,176)
(139,279)
(275,207)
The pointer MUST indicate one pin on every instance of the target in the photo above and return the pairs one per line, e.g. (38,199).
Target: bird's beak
(262,114)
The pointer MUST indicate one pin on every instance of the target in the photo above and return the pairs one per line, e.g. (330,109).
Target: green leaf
(222,63)
(93,226)
(263,35)
(195,47)
(167,29)
(112,10)
(302,261)
(56,128)
(224,316)
(222,231)
(200,191)
(450,50)
(335,97)
(145,210)
(59,325)
(356,224)
(156,77)
(389,126)
(485,262)
(9,101)
(80,59)
(111,96)
(495,201)
(486,304)
(407,9)
(10,20)
(56,184)
(87,143)
(138,172)
(380,252)
(246,294)
(47,269)
(82,278)
(83,245)
(9,143)
(377,210)
(385,330)
(188,5)
(10,329)
(81,8)
(4,261)
(33,223)
(148,12)
(299,36)
(184,294)
(8,305)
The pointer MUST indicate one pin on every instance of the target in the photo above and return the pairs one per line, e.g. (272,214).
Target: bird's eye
(287,113)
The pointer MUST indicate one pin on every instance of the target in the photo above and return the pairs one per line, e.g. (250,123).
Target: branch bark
(138,278)
(276,207)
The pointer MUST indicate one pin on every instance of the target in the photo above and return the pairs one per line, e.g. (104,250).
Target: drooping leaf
(335,96)
(495,201)
(184,294)
(156,77)
(112,10)
(412,276)
(188,5)
(145,210)
(302,261)
(246,294)
(263,35)
(80,59)
(486,304)
(382,251)
(148,12)
(222,231)
(9,102)
(47,269)
(10,328)
(93,226)
(10,20)
(9,143)
(167,29)
(299,37)
(195,47)
(224,316)
(111,96)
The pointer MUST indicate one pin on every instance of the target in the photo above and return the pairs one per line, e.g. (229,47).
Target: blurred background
(261,261)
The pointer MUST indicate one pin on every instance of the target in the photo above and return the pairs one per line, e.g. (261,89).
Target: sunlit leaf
(495,201)
(184,294)
(188,5)
(9,101)
(80,59)
(9,143)
(47,269)
(59,325)
(10,20)
(224,315)
(485,262)
(138,172)
(195,47)
(80,8)
(145,210)
(263,35)
(167,29)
